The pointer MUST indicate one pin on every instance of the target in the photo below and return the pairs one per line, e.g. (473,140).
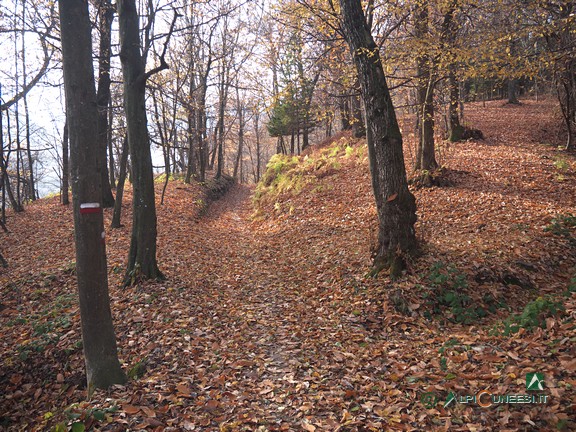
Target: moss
(291,174)
(162,178)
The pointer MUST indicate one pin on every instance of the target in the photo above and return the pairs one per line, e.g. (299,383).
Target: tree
(105,19)
(65,167)
(2,260)
(200,62)
(142,261)
(425,79)
(292,111)
(395,203)
(558,21)
(100,352)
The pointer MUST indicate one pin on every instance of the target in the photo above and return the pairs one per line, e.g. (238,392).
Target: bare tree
(102,366)
(142,262)
(105,20)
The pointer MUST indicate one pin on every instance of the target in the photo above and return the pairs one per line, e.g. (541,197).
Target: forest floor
(267,320)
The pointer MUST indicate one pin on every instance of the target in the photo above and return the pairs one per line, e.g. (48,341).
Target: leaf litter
(272,324)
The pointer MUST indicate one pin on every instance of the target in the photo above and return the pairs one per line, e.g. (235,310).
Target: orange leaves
(130,409)
(274,324)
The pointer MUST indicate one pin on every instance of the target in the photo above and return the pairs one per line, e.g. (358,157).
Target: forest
(298,215)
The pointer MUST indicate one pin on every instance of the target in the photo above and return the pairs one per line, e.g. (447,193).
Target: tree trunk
(120,186)
(110,146)
(358,124)
(100,352)
(513,91)
(257,132)
(3,226)
(191,165)
(65,167)
(105,19)
(202,125)
(566,92)
(16,205)
(224,85)
(240,109)
(142,262)
(425,154)
(344,108)
(455,128)
(280,146)
(31,180)
(395,204)
(2,167)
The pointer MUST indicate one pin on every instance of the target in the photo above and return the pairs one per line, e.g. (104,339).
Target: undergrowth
(446,296)
(563,226)
(290,175)
(536,312)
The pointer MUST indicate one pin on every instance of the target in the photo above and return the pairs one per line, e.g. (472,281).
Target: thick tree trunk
(513,91)
(102,365)
(395,204)
(142,256)
(105,19)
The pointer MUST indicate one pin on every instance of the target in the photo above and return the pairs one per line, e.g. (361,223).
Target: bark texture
(105,19)
(425,154)
(395,204)
(142,256)
(100,352)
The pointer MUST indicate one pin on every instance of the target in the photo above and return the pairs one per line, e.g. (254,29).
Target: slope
(267,321)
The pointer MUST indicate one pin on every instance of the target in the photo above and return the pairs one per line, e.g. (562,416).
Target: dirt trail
(272,325)
(269,307)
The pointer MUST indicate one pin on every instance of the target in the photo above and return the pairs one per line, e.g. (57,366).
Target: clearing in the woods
(267,320)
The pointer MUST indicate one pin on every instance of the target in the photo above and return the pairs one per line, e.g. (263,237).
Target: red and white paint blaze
(90,208)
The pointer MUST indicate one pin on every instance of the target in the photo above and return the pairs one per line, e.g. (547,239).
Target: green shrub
(534,315)
(447,292)
(572,285)
(562,225)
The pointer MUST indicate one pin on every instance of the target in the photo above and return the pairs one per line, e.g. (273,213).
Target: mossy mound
(290,175)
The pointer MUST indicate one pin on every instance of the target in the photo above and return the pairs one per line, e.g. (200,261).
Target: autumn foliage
(267,320)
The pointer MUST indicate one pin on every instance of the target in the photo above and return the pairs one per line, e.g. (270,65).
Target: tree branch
(163,65)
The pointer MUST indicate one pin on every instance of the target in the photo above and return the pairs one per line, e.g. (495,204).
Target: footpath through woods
(270,323)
